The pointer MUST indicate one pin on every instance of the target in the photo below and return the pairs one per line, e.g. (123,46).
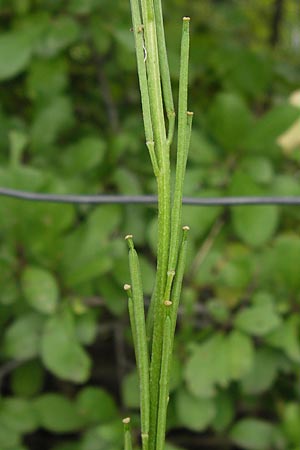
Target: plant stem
(156,93)
(139,334)
(184,123)
(166,359)
(164,69)
(127,434)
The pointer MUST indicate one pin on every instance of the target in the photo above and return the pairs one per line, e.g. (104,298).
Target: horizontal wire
(147,199)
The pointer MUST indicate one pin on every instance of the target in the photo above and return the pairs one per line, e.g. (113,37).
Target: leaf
(86,327)
(229,120)
(269,127)
(240,354)
(253,434)
(18,415)
(202,368)
(8,438)
(286,338)
(104,437)
(291,419)
(27,380)
(286,260)
(263,372)
(259,168)
(22,338)
(95,406)
(247,71)
(224,411)
(40,289)
(57,413)
(86,251)
(255,225)
(130,393)
(15,54)
(61,33)
(84,155)
(46,78)
(50,121)
(194,413)
(257,320)
(61,353)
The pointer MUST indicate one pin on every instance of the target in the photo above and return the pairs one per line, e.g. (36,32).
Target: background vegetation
(70,122)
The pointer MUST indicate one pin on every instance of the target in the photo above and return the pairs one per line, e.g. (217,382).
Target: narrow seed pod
(136,311)
(183,140)
(177,285)
(164,382)
(127,434)
(128,290)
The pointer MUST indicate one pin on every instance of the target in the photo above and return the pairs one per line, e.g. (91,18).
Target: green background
(70,122)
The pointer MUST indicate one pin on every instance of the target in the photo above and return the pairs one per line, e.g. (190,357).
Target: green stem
(142,74)
(127,289)
(164,380)
(177,284)
(127,434)
(164,69)
(182,147)
(138,318)
(163,184)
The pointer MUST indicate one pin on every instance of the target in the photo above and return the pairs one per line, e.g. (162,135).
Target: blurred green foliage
(70,122)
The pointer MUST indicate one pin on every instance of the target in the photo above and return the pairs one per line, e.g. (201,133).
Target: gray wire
(147,199)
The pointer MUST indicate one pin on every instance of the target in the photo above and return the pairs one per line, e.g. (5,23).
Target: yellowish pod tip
(186,228)
(186,19)
(127,287)
(168,303)
(171,273)
(190,113)
(126,421)
(128,236)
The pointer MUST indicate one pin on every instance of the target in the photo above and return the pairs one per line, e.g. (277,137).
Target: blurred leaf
(62,32)
(28,379)
(61,353)
(202,369)
(57,413)
(18,415)
(253,434)
(263,372)
(230,121)
(22,337)
(224,411)
(50,122)
(15,53)
(95,406)
(40,289)
(240,353)
(286,338)
(46,78)
(259,168)
(86,327)
(290,419)
(286,260)
(257,320)
(104,437)
(86,253)
(269,127)
(248,72)
(255,225)
(130,393)
(8,438)
(84,155)
(194,413)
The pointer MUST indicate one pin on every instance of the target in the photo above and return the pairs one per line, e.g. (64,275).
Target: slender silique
(154,342)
